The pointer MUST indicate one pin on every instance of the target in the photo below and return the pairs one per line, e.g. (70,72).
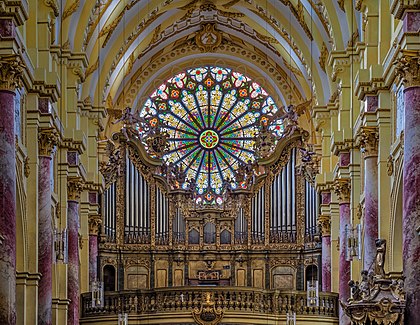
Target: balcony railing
(230,299)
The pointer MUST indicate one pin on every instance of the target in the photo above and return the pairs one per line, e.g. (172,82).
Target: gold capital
(95,222)
(408,68)
(342,189)
(324,223)
(11,70)
(75,187)
(47,141)
(367,140)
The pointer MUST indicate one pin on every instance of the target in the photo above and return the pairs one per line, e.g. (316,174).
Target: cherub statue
(380,258)
(128,119)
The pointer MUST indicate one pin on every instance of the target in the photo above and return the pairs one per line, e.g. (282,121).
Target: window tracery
(211,117)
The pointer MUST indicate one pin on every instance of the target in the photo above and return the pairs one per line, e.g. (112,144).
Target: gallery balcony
(210,305)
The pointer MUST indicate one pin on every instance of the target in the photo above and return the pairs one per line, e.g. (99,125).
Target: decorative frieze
(11,71)
(367,140)
(408,68)
(342,189)
(47,141)
(74,188)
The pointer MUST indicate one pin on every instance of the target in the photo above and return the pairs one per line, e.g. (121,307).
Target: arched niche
(225,237)
(311,274)
(109,277)
(193,236)
(396,261)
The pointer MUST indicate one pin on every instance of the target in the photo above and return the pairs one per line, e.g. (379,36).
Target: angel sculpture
(128,119)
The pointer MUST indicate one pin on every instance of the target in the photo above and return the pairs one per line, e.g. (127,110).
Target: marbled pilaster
(47,141)
(409,68)
(10,72)
(73,292)
(368,142)
(94,225)
(342,188)
(325,226)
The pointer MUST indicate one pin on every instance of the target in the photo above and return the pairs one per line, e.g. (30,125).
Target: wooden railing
(230,299)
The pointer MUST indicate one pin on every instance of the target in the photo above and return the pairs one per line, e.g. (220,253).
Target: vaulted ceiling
(132,46)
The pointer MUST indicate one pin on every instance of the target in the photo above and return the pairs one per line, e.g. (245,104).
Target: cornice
(16,9)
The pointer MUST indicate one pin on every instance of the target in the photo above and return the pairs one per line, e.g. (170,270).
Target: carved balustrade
(229,299)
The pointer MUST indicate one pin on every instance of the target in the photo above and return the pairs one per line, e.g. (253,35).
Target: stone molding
(408,68)
(324,223)
(75,187)
(47,141)
(11,71)
(342,189)
(367,140)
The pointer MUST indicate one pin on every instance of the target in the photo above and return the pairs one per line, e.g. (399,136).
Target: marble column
(10,73)
(409,68)
(368,142)
(325,226)
(342,189)
(74,188)
(95,222)
(47,140)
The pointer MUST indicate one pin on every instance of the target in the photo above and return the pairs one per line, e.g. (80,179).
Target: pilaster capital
(408,67)
(75,187)
(11,71)
(47,141)
(367,140)
(324,222)
(342,189)
(95,222)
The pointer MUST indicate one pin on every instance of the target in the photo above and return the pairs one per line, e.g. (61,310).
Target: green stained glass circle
(209,139)
(211,115)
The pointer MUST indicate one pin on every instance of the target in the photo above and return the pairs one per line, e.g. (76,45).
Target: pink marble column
(94,224)
(325,226)
(47,140)
(9,76)
(74,188)
(368,141)
(342,188)
(410,72)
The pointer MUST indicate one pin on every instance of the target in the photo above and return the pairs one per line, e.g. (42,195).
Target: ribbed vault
(131,46)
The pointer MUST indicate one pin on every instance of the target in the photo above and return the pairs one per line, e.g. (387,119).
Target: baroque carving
(323,57)
(390,165)
(75,187)
(367,140)
(95,222)
(47,141)
(54,6)
(208,38)
(342,189)
(11,70)
(408,68)
(378,298)
(26,167)
(324,223)
(207,313)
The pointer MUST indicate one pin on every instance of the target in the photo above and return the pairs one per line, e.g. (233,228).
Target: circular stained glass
(212,116)
(209,139)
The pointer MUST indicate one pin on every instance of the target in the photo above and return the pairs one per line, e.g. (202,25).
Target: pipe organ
(283,203)
(257,237)
(258,217)
(162,218)
(109,211)
(311,209)
(137,206)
